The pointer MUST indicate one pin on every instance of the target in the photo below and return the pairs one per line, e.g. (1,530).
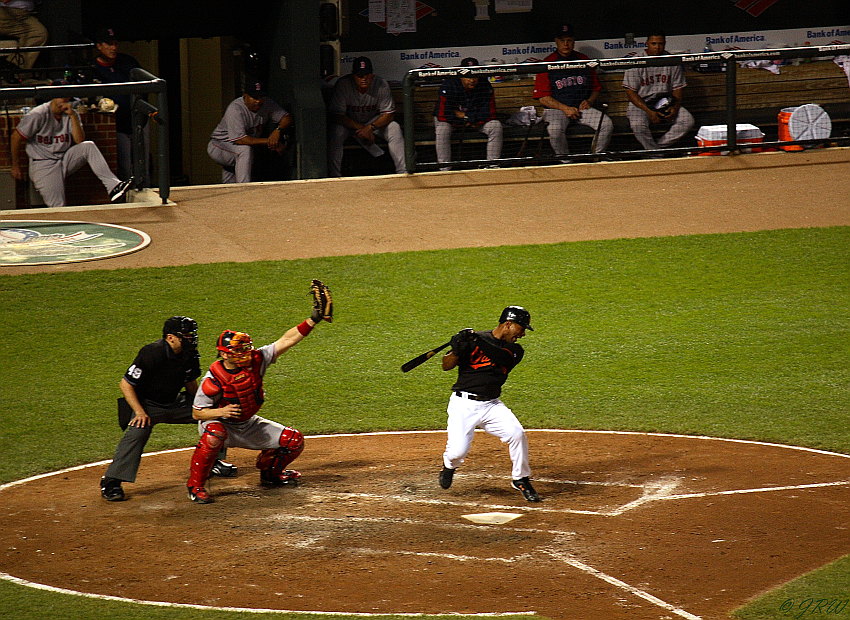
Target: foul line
(246,610)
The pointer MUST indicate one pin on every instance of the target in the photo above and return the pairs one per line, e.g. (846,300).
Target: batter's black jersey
(487,368)
(158,374)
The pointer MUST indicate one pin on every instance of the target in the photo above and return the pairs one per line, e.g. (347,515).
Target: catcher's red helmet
(238,344)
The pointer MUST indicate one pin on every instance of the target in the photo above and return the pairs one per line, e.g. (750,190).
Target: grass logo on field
(52,242)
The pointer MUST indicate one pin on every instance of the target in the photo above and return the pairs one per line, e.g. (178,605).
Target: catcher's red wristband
(305,328)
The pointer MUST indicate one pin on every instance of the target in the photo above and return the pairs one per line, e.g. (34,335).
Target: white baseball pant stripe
(239,157)
(443,133)
(340,133)
(639,122)
(48,175)
(495,418)
(558,122)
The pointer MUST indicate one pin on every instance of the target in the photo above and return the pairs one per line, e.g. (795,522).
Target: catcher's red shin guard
(205,454)
(276,459)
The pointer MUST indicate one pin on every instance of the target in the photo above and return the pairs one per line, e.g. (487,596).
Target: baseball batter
(655,98)
(362,105)
(569,96)
(57,147)
(483,360)
(230,395)
(232,142)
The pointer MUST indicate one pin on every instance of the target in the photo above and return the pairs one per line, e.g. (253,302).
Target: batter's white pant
(443,132)
(639,122)
(48,175)
(236,160)
(559,122)
(495,418)
(340,133)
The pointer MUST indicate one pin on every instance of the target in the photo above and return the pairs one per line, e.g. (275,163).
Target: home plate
(492,518)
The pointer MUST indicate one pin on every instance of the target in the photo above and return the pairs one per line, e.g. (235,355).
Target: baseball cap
(255,88)
(104,35)
(361,66)
(469,62)
(565,31)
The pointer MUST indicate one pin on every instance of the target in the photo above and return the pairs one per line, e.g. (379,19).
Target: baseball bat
(420,359)
(595,140)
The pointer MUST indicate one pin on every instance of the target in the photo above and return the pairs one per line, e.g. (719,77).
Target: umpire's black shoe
(119,190)
(223,469)
(110,489)
(446,476)
(523,485)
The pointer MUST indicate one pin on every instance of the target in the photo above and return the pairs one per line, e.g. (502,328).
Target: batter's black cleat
(523,485)
(446,476)
(288,477)
(110,489)
(223,469)
(119,190)
(199,495)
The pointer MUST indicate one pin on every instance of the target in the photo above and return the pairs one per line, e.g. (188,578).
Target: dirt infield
(633,526)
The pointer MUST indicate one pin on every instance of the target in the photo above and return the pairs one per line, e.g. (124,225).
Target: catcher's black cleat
(446,476)
(199,495)
(523,485)
(110,489)
(288,477)
(223,469)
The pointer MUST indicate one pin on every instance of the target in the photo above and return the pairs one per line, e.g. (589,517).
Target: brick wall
(82,187)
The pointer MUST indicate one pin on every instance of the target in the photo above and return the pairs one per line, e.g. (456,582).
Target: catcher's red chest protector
(245,386)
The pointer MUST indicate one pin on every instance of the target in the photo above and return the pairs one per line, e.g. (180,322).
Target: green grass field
(737,335)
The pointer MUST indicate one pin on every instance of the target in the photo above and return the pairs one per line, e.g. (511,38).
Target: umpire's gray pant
(639,122)
(339,134)
(128,454)
(558,123)
(48,175)
(443,134)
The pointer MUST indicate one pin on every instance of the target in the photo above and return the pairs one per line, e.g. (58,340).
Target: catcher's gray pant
(495,418)
(255,433)
(639,122)
(558,123)
(48,175)
(128,453)
(236,160)
(492,129)
(340,133)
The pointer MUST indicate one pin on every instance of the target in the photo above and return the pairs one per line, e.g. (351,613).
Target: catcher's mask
(238,344)
(184,327)
(518,315)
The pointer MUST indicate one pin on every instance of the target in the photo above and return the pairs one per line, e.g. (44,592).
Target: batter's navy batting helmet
(518,315)
(183,326)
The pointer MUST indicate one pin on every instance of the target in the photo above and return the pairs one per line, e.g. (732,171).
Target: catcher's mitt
(323,303)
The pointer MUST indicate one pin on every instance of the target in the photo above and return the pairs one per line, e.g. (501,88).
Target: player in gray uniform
(362,105)
(483,360)
(241,129)
(655,97)
(57,147)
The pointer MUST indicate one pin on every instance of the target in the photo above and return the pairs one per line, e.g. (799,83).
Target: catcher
(231,394)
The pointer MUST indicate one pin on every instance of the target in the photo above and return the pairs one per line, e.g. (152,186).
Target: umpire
(153,389)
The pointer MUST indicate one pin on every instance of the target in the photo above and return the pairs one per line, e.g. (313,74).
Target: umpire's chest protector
(243,386)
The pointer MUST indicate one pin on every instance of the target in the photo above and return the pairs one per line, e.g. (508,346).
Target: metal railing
(729,60)
(146,83)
